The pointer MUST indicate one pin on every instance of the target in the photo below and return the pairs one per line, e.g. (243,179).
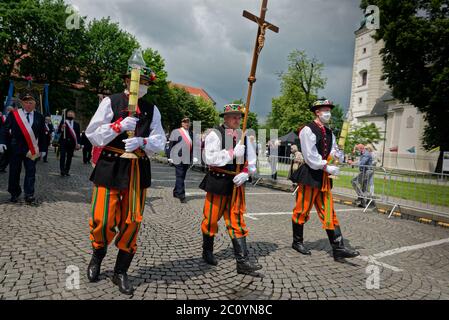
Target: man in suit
(49,129)
(87,148)
(4,157)
(26,137)
(69,142)
(181,154)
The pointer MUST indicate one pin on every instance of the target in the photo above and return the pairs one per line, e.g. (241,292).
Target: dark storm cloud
(207,43)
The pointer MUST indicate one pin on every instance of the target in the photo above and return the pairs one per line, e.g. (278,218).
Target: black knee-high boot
(120,277)
(298,239)
(93,270)
(208,250)
(244,265)
(339,250)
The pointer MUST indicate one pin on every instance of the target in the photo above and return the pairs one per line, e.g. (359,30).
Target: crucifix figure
(260,42)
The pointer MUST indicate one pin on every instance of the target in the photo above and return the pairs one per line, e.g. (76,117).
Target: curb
(406,213)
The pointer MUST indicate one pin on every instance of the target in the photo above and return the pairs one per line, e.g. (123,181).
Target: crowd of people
(123,143)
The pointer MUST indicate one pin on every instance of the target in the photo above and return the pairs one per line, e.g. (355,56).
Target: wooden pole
(260,39)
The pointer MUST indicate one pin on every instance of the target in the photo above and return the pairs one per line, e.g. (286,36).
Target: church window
(410,122)
(364,77)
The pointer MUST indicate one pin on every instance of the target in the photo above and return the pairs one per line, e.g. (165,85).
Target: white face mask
(142,90)
(325,117)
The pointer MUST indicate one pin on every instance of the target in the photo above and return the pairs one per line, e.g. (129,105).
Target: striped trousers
(308,196)
(109,212)
(217,206)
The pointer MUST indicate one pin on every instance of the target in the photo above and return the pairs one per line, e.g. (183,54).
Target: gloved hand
(3,148)
(240,179)
(239,150)
(133,144)
(128,124)
(333,170)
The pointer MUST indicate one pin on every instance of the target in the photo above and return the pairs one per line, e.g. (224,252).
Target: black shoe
(183,200)
(93,270)
(62,174)
(14,199)
(244,265)
(67,174)
(298,238)
(340,252)
(208,250)
(120,277)
(30,200)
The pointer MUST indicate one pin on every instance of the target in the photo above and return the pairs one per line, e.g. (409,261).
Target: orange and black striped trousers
(306,198)
(217,206)
(109,212)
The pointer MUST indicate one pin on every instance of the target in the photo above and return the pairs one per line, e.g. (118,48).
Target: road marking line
(246,193)
(371,260)
(410,248)
(291,212)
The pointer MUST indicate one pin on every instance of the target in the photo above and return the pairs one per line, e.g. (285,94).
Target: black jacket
(85,142)
(12,136)
(69,141)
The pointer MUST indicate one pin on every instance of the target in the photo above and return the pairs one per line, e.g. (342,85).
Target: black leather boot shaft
(120,277)
(244,265)
(339,250)
(208,250)
(93,270)
(298,239)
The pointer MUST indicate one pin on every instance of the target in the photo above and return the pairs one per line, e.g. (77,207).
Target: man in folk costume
(319,149)
(181,155)
(120,184)
(24,134)
(222,154)
(69,141)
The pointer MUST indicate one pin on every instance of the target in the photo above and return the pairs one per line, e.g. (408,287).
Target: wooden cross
(260,42)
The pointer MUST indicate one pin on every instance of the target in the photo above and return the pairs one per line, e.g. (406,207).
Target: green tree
(106,58)
(299,88)
(337,120)
(365,133)
(415,60)
(35,40)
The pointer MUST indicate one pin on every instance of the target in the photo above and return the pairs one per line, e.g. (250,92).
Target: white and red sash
(28,133)
(72,132)
(185,138)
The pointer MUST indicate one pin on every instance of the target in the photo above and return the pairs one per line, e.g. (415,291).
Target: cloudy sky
(208,44)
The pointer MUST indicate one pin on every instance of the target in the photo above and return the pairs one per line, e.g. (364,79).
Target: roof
(291,137)
(381,107)
(197,92)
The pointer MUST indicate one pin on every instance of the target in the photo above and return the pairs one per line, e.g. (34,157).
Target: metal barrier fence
(371,184)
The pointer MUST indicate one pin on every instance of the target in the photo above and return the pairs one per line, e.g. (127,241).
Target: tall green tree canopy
(106,58)
(299,88)
(416,59)
(362,134)
(34,38)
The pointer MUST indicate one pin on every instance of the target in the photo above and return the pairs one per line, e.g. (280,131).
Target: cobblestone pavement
(39,243)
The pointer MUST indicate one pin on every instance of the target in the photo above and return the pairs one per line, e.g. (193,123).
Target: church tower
(367,85)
